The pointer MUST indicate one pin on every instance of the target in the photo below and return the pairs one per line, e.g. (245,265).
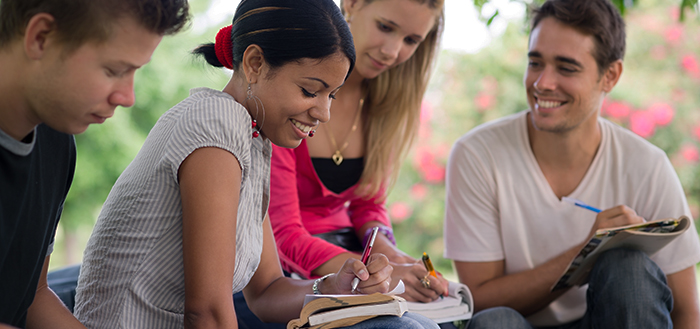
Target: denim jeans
(248,320)
(626,289)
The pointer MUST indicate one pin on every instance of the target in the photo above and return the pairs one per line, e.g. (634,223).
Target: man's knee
(626,266)
(498,317)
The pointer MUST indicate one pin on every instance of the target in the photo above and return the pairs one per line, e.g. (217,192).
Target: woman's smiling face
(297,97)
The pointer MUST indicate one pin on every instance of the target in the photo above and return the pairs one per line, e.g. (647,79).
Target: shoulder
(632,146)
(208,115)
(494,136)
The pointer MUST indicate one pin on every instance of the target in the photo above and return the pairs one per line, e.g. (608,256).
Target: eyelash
(312,95)
(383,27)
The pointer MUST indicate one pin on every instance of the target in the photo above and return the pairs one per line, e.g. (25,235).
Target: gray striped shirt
(132,274)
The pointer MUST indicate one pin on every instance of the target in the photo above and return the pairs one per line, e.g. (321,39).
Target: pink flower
(673,34)
(642,124)
(433,173)
(423,157)
(690,153)
(696,132)
(690,65)
(662,113)
(484,101)
(399,211)
(419,191)
(617,110)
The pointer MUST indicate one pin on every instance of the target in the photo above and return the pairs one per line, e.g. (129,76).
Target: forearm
(334,264)
(527,291)
(686,307)
(47,311)
(282,300)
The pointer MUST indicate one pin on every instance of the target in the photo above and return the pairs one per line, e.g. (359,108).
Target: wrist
(320,284)
(386,231)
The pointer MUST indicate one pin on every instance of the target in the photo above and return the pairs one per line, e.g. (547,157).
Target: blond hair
(392,110)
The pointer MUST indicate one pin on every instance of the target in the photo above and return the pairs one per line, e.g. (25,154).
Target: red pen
(365,255)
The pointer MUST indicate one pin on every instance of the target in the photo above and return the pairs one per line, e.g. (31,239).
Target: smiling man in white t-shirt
(508,231)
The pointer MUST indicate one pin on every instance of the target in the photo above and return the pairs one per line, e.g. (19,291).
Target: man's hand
(615,217)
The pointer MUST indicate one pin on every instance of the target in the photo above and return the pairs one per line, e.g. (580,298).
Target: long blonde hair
(392,110)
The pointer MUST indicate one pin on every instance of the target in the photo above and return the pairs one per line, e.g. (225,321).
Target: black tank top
(338,178)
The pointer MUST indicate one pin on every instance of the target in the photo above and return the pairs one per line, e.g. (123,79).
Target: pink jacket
(300,205)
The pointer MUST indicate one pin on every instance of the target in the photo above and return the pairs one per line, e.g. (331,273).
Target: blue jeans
(248,320)
(626,289)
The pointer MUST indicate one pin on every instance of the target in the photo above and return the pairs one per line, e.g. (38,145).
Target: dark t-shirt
(35,176)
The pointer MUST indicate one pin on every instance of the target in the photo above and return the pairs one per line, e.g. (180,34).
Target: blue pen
(580,204)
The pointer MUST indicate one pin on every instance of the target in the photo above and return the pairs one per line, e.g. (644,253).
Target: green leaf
(488,23)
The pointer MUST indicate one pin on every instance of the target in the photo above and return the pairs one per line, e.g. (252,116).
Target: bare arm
(275,298)
(210,180)
(529,291)
(47,310)
(686,310)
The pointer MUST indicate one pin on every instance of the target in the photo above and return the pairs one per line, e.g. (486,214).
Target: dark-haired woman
(185,225)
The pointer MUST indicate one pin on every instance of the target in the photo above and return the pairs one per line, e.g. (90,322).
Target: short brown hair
(597,18)
(78,21)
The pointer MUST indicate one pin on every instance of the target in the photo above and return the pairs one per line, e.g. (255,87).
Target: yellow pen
(429,265)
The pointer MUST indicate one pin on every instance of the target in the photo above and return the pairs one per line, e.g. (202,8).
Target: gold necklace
(338,156)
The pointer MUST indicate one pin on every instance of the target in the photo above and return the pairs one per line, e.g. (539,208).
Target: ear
(612,75)
(253,63)
(38,33)
(350,6)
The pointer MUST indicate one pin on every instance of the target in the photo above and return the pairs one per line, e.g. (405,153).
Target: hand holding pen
(614,217)
(431,273)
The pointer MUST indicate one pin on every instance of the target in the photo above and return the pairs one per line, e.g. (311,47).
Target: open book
(346,310)
(459,305)
(649,237)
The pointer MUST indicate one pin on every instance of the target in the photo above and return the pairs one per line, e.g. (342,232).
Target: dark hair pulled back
(286,31)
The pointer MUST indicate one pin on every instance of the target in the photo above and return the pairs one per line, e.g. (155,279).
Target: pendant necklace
(337,157)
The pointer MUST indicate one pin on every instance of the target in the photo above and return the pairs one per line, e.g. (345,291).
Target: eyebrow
(564,59)
(325,84)
(390,22)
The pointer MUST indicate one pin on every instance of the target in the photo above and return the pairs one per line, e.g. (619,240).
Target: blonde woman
(333,187)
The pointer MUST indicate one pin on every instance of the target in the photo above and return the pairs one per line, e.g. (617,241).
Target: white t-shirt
(500,206)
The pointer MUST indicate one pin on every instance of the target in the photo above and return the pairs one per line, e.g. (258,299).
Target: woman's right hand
(375,277)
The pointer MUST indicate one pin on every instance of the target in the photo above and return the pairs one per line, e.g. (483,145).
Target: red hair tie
(224,47)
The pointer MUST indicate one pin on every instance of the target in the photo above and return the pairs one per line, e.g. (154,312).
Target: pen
(365,255)
(428,264)
(580,204)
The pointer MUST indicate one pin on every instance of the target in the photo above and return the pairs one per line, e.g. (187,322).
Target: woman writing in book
(185,224)
(333,187)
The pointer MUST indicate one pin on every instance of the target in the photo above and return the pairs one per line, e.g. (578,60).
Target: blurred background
(478,78)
